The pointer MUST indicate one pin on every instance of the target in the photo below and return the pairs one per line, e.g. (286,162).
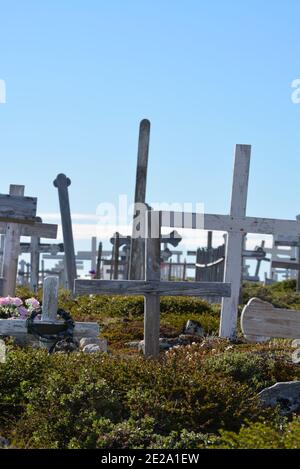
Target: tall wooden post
(116,256)
(234,245)
(94,254)
(152,269)
(99,257)
(137,251)
(49,305)
(62,183)
(11,250)
(298,255)
(34,262)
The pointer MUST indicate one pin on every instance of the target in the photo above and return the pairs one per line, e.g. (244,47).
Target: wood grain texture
(17,206)
(42,230)
(235,242)
(261,319)
(17,328)
(50,299)
(11,249)
(137,250)
(152,274)
(142,287)
(62,183)
(228,223)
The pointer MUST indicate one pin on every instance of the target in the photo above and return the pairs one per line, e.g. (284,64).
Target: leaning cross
(62,183)
(137,251)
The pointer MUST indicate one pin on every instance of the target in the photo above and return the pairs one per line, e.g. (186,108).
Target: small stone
(193,328)
(101,343)
(91,348)
(133,344)
(4,443)
(286,395)
(65,346)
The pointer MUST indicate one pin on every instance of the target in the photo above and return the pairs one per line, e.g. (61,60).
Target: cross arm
(141,287)
(228,223)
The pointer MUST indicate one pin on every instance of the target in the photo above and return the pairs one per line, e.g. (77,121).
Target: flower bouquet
(15,308)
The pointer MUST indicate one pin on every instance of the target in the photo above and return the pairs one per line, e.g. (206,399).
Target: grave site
(148,351)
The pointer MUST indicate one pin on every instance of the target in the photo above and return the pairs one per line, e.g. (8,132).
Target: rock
(133,344)
(66,346)
(286,395)
(99,346)
(193,328)
(4,443)
(101,343)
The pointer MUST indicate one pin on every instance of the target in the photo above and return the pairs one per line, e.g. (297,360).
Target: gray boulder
(286,395)
(193,328)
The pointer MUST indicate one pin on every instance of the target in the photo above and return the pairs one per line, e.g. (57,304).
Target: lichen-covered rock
(286,395)
(101,343)
(193,328)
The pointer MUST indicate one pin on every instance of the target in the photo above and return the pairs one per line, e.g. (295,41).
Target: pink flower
(4,301)
(16,301)
(32,303)
(23,312)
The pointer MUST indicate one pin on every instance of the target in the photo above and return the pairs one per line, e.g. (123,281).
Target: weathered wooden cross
(17,327)
(151,287)
(62,183)
(237,225)
(18,218)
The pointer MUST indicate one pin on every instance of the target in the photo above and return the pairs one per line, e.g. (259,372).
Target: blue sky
(80,75)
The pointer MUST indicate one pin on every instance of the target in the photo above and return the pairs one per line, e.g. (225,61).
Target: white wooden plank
(227,223)
(234,245)
(261,319)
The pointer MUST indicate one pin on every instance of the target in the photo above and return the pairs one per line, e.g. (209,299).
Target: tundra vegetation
(199,396)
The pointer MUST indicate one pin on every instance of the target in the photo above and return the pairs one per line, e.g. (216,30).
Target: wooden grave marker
(237,225)
(17,327)
(62,183)
(260,321)
(18,218)
(151,287)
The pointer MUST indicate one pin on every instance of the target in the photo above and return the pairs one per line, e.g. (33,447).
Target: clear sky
(81,74)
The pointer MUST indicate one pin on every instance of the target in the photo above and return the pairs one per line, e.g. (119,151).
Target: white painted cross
(236,224)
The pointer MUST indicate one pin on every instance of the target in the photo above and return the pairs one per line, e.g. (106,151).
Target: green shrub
(262,435)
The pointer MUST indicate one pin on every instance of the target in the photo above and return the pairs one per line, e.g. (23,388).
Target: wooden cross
(236,224)
(62,183)
(18,218)
(89,255)
(260,321)
(151,287)
(137,251)
(17,327)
